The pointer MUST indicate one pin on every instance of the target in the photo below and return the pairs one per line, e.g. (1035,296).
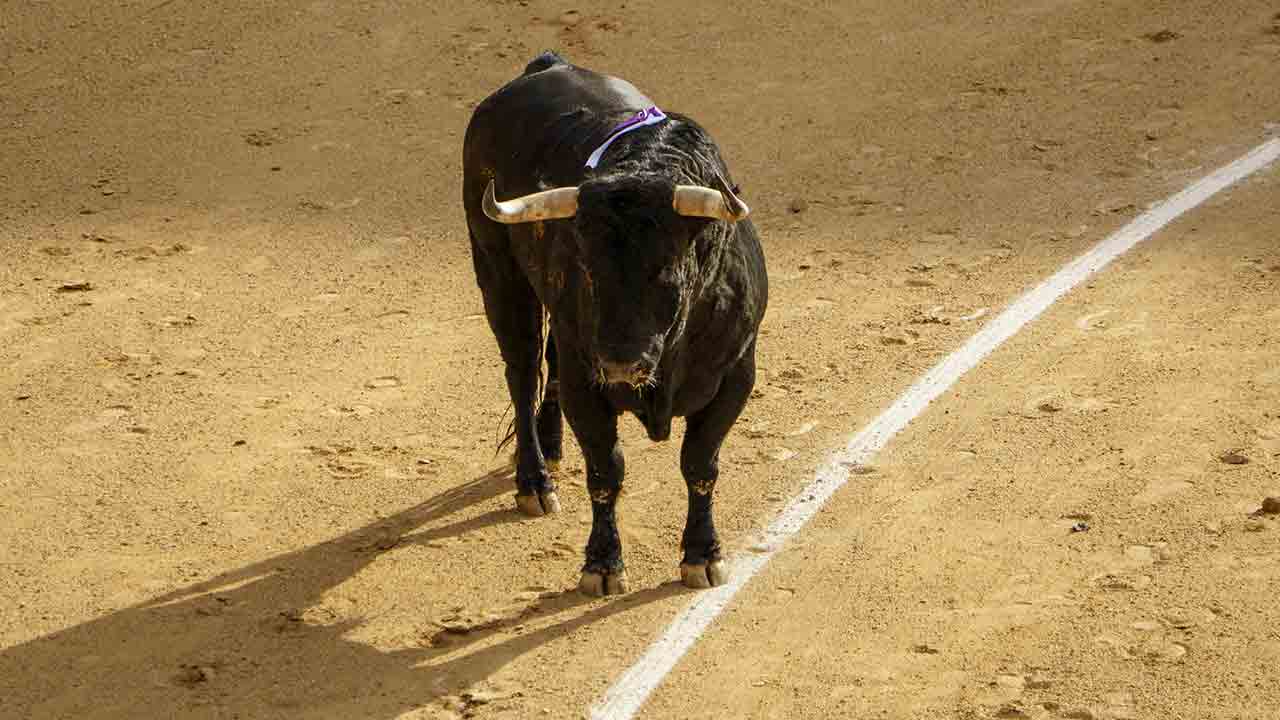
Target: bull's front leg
(603,572)
(595,425)
(702,565)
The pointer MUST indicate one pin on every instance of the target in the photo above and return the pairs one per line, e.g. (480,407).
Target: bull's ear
(553,204)
(698,201)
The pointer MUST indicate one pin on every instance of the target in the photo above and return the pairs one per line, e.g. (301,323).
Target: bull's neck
(646,150)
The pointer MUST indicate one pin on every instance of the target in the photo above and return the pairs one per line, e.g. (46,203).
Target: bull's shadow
(234,646)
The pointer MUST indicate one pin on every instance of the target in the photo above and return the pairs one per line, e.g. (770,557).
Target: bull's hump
(572,85)
(626,94)
(549,93)
(545,60)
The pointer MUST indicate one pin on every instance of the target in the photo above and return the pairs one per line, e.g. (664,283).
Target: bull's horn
(546,205)
(698,201)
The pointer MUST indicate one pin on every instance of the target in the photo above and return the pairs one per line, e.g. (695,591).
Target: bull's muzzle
(631,374)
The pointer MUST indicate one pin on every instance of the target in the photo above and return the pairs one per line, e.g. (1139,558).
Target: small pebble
(1162,36)
(1080,527)
(1124,582)
(1012,682)
(1144,554)
(1233,458)
(193,675)
(1270,506)
(1166,652)
(803,429)
(1188,619)
(798,205)
(75,287)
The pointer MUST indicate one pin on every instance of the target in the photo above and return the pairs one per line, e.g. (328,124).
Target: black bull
(652,278)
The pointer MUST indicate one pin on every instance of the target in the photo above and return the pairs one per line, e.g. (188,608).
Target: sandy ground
(248,404)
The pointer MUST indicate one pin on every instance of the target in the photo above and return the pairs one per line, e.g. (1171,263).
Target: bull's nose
(620,372)
(629,373)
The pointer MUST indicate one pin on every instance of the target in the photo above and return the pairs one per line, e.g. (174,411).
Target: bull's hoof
(597,584)
(704,576)
(537,505)
(550,502)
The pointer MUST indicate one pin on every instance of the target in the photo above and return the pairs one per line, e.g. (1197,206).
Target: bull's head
(635,238)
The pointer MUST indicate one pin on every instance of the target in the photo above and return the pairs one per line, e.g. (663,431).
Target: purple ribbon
(648,116)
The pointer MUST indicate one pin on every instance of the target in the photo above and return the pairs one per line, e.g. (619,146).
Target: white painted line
(625,697)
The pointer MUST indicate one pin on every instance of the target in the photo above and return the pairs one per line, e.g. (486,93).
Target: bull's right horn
(546,205)
(697,201)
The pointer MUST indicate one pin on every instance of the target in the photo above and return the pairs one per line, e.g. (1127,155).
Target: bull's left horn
(698,201)
(546,205)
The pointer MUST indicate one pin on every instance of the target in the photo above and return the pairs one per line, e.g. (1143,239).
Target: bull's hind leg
(515,316)
(702,565)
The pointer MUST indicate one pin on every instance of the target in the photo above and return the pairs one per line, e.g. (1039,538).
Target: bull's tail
(544,332)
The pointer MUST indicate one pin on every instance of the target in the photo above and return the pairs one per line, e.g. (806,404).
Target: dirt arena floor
(249,404)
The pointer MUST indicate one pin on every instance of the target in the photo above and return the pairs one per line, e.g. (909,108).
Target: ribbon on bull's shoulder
(648,116)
